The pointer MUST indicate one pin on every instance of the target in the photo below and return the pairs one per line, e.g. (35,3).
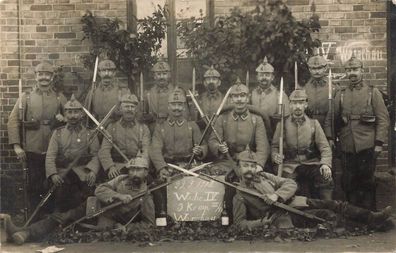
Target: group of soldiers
(247,137)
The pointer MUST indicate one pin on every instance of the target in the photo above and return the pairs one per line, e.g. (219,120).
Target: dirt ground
(378,242)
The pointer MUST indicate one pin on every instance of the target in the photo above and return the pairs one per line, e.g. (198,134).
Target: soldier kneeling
(122,188)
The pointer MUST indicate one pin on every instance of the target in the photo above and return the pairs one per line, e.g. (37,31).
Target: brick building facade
(35,30)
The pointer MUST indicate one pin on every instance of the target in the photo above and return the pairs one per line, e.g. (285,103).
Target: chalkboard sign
(194,199)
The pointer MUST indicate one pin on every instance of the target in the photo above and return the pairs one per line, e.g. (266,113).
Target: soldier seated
(130,136)
(252,212)
(74,185)
(307,152)
(122,188)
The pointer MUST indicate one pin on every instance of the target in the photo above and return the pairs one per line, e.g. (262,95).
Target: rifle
(106,135)
(25,168)
(256,194)
(331,109)
(209,122)
(69,167)
(93,87)
(282,122)
(138,195)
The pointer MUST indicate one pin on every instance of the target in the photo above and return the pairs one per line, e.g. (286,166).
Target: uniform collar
(242,116)
(106,87)
(77,128)
(267,91)
(298,121)
(126,124)
(172,122)
(42,92)
(162,89)
(213,95)
(356,86)
(319,82)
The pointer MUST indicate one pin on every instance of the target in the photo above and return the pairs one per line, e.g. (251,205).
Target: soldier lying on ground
(122,188)
(251,212)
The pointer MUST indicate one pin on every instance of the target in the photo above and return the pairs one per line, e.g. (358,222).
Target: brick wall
(49,30)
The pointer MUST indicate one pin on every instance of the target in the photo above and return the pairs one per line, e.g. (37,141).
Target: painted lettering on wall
(343,51)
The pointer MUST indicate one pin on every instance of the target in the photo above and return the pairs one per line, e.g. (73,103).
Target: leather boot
(20,237)
(10,227)
(378,218)
(41,228)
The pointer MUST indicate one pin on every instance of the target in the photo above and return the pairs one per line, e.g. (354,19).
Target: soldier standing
(157,98)
(67,142)
(307,152)
(317,89)
(174,140)
(361,122)
(265,96)
(122,188)
(42,108)
(107,94)
(253,212)
(132,137)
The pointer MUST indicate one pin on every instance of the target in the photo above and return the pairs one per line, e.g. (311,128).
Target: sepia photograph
(197,126)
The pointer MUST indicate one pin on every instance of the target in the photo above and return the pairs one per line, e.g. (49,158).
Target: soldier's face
(247,170)
(318,72)
(128,111)
(211,83)
(106,75)
(355,75)
(44,78)
(162,78)
(240,101)
(73,116)
(137,175)
(176,109)
(298,107)
(265,78)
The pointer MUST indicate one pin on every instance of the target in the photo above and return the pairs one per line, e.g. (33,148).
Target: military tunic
(66,143)
(40,108)
(173,141)
(299,135)
(130,137)
(157,101)
(104,98)
(318,99)
(121,185)
(267,100)
(238,131)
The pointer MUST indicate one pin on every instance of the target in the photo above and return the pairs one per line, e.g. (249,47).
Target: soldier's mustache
(248,175)
(44,79)
(137,181)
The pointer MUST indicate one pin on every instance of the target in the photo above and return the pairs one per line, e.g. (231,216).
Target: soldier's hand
(377,150)
(223,148)
(325,171)
(20,152)
(164,173)
(277,158)
(113,172)
(124,198)
(269,199)
(57,180)
(266,221)
(197,150)
(90,178)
